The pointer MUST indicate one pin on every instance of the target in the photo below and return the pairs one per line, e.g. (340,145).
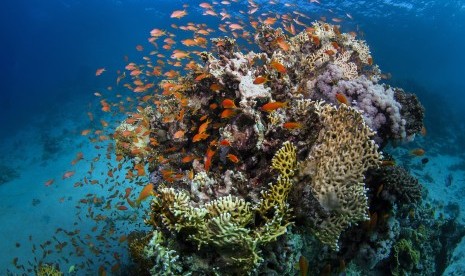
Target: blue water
(50,50)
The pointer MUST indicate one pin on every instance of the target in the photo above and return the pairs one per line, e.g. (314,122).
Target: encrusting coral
(231,146)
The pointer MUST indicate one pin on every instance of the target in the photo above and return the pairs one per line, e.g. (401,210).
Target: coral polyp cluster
(232,145)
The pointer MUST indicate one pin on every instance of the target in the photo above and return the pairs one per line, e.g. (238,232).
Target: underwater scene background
(142,137)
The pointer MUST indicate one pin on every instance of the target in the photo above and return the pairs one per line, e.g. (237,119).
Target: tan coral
(337,164)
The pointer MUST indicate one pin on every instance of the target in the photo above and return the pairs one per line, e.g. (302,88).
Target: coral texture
(337,164)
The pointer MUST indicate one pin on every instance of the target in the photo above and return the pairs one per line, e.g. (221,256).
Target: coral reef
(247,146)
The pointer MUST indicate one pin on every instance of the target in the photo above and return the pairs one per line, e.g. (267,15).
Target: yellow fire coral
(336,164)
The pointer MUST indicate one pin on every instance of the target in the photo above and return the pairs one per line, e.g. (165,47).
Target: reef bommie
(250,150)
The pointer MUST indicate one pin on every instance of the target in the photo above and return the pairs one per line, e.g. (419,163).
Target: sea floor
(31,211)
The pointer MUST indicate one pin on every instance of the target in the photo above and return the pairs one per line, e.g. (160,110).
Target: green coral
(406,257)
(48,270)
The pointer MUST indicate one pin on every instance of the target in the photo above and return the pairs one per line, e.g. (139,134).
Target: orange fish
(208,158)
(49,182)
(342,99)
(233,158)
(203,127)
(225,143)
(329,52)
(139,48)
(187,159)
(85,132)
(303,265)
(282,43)
(68,174)
(179,134)
(423,131)
(145,193)
(99,71)
(278,67)
(199,137)
(235,27)
(272,106)
(316,40)
(227,113)
(122,207)
(260,80)
(177,54)
(215,87)
(417,152)
(228,103)
(292,125)
(388,163)
(178,14)
(127,192)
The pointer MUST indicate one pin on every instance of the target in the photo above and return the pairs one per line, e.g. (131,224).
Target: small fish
(380,189)
(278,66)
(228,103)
(85,132)
(203,127)
(145,193)
(260,80)
(199,137)
(215,87)
(225,143)
(388,163)
(303,265)
(68,174)
(271,106)
(208,158)
(424,160)
(235,27)
(342,99)
(233,158)
(282,43)
(99,71)
(423,131)
(227,113)
(417,152)
(122,208)
(178,14)
(187,159)
(178,134)
(49,182)
(316,40)
(127,192)
(292,125)
(330,52)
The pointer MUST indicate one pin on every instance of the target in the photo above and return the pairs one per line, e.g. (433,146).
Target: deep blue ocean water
(50,51)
